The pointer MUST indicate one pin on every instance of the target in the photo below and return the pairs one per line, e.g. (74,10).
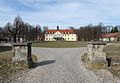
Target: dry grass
(113,50)
(113,53)
(115,70)
(6,68)
(5,65)
(7,55)
(114,47)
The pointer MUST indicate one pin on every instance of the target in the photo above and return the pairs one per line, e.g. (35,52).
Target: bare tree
(12,30)
(0,33)
(16,28)
(90,32)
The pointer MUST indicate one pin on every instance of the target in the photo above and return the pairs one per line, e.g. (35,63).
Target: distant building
(110,37)
(39,37)
(60,35)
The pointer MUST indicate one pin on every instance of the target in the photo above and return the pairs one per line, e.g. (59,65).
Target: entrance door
(59,39)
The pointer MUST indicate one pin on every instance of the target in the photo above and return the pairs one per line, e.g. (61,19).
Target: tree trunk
(18,38)
(14,38)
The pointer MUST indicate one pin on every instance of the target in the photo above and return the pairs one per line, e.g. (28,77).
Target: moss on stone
(96,65)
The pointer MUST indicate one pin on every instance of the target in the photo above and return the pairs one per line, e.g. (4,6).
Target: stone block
(115,61)
(22,55)
(97,62)
(96,57)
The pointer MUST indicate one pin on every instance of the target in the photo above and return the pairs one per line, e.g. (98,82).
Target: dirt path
(63,65)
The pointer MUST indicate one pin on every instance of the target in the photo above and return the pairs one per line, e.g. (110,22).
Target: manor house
(60,35)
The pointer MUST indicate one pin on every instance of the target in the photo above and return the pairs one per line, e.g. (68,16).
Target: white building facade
(60,35)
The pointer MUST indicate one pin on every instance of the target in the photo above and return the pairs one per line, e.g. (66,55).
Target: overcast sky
(64,13)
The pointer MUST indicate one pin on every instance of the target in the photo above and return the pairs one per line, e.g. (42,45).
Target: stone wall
(96,57)
(22,55)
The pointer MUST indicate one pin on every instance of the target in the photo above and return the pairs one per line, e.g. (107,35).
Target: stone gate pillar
(22,55)
(96,57)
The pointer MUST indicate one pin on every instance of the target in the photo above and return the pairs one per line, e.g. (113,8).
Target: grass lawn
(60,44)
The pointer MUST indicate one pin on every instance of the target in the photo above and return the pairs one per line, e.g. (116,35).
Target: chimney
(57,27)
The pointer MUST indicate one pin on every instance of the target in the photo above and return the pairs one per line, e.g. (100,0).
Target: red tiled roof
(107,35)
(61,31)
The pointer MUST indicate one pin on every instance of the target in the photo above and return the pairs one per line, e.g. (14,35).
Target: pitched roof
(61,31)
(107,35)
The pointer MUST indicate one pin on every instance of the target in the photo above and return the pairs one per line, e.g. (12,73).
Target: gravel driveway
(63,65)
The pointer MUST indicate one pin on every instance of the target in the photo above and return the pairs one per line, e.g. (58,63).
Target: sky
(63,13)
